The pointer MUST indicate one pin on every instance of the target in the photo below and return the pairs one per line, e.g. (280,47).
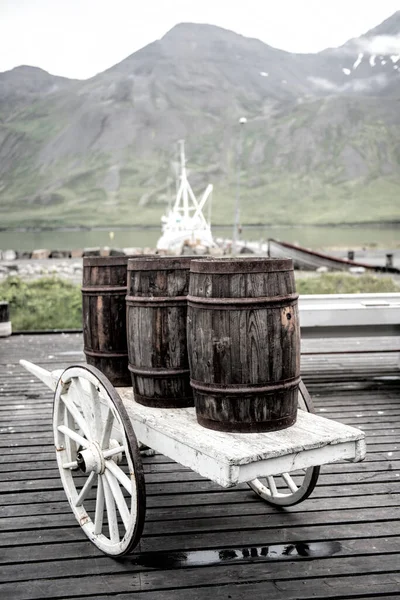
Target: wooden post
(5,323)
(389,261)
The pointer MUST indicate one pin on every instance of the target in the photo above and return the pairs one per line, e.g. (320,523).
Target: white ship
(185,224)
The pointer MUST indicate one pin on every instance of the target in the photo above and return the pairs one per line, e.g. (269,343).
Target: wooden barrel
(156,330)
(244,343)
(5,323)
(104,316)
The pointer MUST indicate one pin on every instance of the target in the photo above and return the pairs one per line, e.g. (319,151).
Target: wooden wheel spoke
(70,445)
(71,465)
(84,401)
(118,498)
(113,451)
(73,435)
(86,489)
(95,401)
(99,513)
(120,475)
(272,486)
(79,420)
(111,512)
(289,481)
(105,438)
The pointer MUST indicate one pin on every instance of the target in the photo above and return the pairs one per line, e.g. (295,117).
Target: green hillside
(318,147)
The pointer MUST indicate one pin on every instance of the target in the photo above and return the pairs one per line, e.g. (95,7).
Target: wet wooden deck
(200,541)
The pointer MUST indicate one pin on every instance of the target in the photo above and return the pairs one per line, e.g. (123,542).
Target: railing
(350,335)
(349,315)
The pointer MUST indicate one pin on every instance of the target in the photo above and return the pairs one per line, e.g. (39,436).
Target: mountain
(370,64)
(321,143)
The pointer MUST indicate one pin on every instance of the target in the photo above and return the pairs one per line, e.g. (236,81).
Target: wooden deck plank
(51,474)
(68,567)
(358,541)
(329,577)
(255,519)
(239,505)
(46,469)
(45,554)
(187,483)
(166,492)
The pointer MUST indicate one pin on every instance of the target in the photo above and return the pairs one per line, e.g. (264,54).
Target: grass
(53,303)
(274,197)
(75,192)
(345,283)
(324,161)
(48,303)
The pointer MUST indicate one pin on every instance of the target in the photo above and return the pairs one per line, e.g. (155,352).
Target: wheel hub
(91,459)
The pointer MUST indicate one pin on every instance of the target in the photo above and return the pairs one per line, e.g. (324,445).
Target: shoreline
(77,228)
(70,269)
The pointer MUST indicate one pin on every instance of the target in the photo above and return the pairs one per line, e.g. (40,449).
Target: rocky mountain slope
(321,143)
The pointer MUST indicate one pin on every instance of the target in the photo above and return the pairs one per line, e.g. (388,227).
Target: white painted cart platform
(96,429)
(232,458)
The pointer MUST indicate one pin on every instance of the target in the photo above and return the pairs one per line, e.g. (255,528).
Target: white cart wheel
(99,460)
(288,489)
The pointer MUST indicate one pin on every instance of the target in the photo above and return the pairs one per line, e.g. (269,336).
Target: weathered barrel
(244,343)
(104,316)
(156,330)
(5,323)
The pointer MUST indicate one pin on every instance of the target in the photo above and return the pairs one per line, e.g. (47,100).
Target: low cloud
(324,84)
(369,84)
(378,45)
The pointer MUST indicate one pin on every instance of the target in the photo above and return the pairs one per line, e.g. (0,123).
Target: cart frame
(98,430)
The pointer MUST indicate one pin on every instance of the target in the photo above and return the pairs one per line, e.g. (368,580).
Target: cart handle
(50,378)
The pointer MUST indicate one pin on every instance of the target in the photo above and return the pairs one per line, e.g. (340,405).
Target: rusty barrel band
(104,354)
(253,388)
(165,402)
(247,426)
(241,266)
(156,301)
(95,290)
(156,372)
(105,261)
(156,264)
(242,303)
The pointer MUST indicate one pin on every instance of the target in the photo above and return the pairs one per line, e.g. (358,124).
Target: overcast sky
(79,38)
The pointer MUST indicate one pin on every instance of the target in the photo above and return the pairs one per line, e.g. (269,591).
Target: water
(201,558)
(386,236)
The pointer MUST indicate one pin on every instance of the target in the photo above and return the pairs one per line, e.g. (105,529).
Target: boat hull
(311,260)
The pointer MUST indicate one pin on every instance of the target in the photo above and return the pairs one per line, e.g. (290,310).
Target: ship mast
(186,202)
(184,181)
(186,221)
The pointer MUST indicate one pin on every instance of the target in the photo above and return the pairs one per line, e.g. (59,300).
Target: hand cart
(96,432)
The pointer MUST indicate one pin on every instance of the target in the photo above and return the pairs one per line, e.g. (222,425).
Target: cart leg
(145,450)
